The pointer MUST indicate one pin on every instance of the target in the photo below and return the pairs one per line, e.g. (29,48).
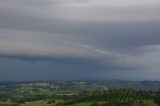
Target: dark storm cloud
(83,62)
(59,69)
(85,35)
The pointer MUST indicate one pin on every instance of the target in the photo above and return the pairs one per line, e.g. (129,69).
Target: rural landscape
(79,52)
(80,93)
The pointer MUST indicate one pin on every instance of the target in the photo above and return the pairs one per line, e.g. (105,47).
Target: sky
(79,40)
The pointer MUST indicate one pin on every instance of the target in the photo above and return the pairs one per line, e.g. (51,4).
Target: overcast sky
(79,39)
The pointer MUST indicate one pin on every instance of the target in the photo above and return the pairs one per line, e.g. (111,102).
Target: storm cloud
(79,39)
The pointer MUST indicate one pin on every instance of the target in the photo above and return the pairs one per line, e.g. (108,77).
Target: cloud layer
(86,39)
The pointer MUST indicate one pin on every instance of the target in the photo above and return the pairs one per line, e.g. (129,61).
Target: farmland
(80,93)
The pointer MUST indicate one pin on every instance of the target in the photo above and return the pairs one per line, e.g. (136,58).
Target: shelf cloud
(79,39)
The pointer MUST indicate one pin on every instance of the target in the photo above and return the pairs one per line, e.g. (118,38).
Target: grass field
(43,103)
(36,103)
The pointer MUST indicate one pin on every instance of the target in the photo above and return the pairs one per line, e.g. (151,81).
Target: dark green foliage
(94,104)
(50,101)
(95,93)
(118,97)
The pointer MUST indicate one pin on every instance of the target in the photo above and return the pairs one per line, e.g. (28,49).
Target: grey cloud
(111,35)
(120,35)
(90,35)
(58,69)
(25,3)
(34,46)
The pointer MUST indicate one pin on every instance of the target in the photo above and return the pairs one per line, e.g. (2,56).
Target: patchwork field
(72,93)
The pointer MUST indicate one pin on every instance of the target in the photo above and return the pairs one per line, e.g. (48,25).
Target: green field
(71,93)
(36,103)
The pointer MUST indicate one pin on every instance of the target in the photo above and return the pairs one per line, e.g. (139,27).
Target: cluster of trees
(20,99)
(111,97)
(118,97)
